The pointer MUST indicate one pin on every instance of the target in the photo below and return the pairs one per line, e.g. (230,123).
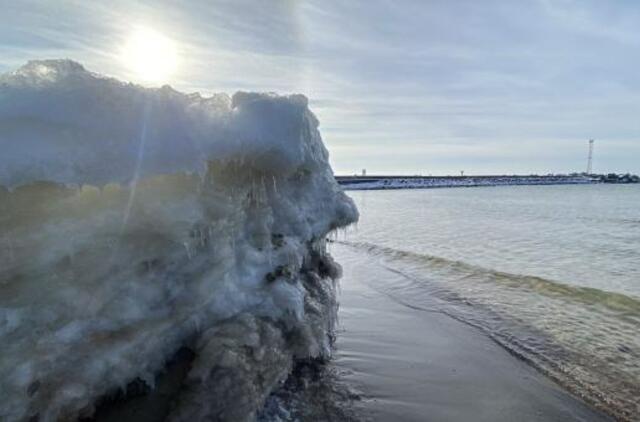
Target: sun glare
(150,55)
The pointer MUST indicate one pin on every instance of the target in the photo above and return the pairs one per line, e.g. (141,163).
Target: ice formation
(136,222)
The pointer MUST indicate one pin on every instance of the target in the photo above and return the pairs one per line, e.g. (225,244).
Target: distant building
(590,158)
(364,172)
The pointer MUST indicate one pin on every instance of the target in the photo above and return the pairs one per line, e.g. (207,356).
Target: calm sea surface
(552,273)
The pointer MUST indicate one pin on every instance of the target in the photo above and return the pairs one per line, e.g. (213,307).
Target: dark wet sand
(415,365)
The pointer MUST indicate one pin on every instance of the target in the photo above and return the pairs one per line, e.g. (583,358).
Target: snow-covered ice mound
(138,222)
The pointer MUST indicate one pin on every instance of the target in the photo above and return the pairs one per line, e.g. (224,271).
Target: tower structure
(590,159)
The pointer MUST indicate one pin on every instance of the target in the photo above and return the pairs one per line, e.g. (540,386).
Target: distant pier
(373,182)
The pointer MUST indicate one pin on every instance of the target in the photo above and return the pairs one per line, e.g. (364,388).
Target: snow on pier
(423,182)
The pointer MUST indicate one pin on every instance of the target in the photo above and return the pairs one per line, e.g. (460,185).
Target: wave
(583,338)
(586,295)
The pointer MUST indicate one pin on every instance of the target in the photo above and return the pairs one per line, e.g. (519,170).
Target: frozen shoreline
(138,222)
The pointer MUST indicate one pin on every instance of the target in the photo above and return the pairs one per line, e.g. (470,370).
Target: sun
(150,55)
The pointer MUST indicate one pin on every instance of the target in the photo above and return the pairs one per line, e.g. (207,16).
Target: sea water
(551,273)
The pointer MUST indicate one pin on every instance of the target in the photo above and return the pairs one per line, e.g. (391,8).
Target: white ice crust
(61,123)
(135,221)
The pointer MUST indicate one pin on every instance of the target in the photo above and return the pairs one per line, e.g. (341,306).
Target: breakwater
(418,182)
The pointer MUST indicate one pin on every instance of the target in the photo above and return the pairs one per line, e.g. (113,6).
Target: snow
(137,221)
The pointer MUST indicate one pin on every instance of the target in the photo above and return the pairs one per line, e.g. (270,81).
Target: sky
(400,87)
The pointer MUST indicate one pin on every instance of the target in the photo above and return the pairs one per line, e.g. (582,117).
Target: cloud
(477,79)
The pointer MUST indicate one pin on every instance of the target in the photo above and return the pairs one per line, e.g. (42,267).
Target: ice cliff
(138,222)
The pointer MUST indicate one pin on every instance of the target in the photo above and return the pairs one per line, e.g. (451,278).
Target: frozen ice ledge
(145,229)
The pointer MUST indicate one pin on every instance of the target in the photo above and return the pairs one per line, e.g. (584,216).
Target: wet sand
(421,365)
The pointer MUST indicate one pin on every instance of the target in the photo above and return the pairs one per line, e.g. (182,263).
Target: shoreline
(411,362)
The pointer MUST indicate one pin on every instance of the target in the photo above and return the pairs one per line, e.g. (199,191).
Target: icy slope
(134,222)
